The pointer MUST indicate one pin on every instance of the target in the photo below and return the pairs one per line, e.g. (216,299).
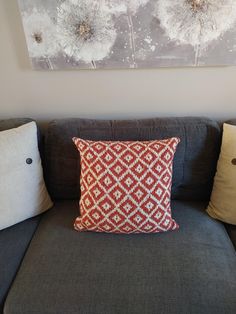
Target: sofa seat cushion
(192,270)
(13,244)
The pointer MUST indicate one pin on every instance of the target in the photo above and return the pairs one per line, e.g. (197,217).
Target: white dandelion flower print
(130,8)
(196,22)
(40,32)
(95,34)
(134,5)
(116,8)
(122,6)
(85,30)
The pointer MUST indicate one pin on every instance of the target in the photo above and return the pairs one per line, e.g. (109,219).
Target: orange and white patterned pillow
(126,186)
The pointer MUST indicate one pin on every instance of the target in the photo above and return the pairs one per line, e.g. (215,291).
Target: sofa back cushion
(194,162)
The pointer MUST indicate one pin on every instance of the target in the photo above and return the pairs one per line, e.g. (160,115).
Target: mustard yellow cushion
(222,205)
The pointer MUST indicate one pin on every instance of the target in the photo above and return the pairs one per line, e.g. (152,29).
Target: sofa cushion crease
(192,270)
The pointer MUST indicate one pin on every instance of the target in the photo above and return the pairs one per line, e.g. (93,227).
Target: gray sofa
(47,267)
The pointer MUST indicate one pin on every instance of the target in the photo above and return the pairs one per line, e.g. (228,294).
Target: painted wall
(105,94)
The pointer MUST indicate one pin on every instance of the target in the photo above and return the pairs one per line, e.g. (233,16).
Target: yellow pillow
(222,205)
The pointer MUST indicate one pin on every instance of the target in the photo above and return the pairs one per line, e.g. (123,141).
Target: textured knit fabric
(8,124)
(126,186)
(23,193)
(194,165)
(192,270)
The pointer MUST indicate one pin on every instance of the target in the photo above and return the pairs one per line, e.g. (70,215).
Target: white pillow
(222,205)
(23,193)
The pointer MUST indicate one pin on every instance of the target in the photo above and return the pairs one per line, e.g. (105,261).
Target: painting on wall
(93,34)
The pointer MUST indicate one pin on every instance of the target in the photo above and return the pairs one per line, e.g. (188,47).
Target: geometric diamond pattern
(126,186)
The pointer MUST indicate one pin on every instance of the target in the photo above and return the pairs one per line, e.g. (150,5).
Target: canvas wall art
(93,34)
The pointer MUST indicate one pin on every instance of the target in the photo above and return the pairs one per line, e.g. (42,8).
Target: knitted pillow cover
(23,193)
(126,186)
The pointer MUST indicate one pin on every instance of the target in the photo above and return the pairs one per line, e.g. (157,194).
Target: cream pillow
(23,193)
(222,205)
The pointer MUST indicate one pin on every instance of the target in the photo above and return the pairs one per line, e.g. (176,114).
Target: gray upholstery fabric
(13,244)
(192,270)
(194,163)
(13,241)
(231,229)
(232,121)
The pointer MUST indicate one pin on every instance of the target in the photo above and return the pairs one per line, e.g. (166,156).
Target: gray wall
(117,94)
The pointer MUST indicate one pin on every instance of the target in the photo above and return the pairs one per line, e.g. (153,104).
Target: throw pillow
(222,204)
(126,186)
(23,193)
